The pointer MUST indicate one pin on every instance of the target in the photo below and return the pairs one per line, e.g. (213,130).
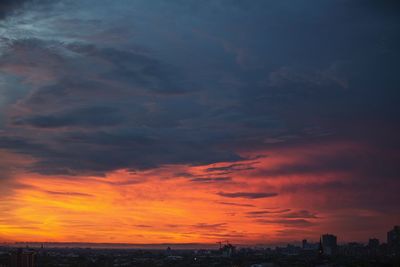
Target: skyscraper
(393,237)
(329,244)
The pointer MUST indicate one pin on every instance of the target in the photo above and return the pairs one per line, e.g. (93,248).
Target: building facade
(21,258)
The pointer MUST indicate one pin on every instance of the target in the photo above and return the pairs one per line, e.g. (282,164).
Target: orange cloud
(183,204)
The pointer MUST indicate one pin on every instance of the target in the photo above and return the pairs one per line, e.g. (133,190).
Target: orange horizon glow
(179,204)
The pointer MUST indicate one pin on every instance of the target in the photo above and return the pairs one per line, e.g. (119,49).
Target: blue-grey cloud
(8,6)
(232,168)
(107,85)
(84,117)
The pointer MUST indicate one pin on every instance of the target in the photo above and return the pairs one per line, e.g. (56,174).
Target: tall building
(304,244)
(373,243)
(393,237)
(21,258)
(329,244)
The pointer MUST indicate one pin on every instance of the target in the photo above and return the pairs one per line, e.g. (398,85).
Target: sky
(185,121)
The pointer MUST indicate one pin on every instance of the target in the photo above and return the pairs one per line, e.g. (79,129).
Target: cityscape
(325,253)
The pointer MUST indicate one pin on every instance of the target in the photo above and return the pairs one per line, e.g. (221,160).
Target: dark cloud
(385,7)
(204,179)
(235,204)
(300,214)
(315,186)
(286,222)
(144,120)
(84,117)
(284,213)
(211,180)
(135,69)
(249,195)
(8,6)
(263,213)
(24,146)
(232,168)
(98,152)
(364,161)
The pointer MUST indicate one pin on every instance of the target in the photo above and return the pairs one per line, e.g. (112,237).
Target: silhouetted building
(304,244)
(393,237)
(228,250)
(309,246)
(373,243)
(329,244)
(21,258)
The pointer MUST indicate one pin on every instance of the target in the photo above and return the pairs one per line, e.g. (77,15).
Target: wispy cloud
(235,204)
(249,195)
(72,194)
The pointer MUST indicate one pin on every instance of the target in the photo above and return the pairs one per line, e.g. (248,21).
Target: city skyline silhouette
(189,123)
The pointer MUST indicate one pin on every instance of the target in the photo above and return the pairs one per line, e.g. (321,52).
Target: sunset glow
(252,201)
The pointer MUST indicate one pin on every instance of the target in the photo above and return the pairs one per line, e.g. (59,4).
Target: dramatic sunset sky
(197,121)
